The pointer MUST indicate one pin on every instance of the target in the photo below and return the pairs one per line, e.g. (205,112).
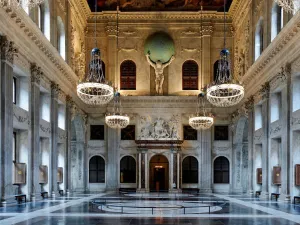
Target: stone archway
(159,173)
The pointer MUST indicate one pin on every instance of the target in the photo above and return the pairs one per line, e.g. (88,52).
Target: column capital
(265,91)
(207,30)
(7,49)
(55,89)
(249,104)
(111,29)
(36,73)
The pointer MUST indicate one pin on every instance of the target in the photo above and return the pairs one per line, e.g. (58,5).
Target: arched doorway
(159,173)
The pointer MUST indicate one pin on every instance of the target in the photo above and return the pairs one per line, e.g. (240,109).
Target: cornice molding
(267,65)
(41,50)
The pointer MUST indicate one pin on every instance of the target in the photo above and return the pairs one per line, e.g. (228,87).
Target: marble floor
(153,208)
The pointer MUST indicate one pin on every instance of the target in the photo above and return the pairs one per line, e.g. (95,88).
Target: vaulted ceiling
(159,5)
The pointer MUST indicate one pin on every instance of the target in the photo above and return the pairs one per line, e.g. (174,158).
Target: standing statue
(159,72)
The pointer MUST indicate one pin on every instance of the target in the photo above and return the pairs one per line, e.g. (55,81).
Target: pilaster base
(251,192)
(53,194)
(141,190)
(264,195)
(3,203)
(205,190)
(68,193)
(176,191)
(285,198)
(32,197)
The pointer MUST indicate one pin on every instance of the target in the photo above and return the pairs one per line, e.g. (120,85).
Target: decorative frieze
(207,30)
(111,29)
(7,49)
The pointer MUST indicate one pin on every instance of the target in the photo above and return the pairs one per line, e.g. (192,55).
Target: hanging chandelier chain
(95,26)
(224,24)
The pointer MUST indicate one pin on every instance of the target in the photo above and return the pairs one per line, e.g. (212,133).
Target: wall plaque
(60,175)
(19,173)
(43,174)
(259,175)
(277,175)
(297,175)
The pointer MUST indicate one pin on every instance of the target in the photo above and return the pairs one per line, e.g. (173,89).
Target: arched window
(190,170)
(127,170)
(40,16)
(128,75)
(190,75)
(221,170)
(97,170)
(61,43)
(45,19)
(258,39)
(276,20)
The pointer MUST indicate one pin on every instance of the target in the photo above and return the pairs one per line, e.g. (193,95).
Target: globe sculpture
(160,46)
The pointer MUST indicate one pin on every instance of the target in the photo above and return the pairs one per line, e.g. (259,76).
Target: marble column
(7,52)
(34,132)
(250,109)
(141,171)
(265,92)
(286,149)
(85,155)
(69,111)
(174,163)
(113,159)
(207,31)
(111,71)
(205,181)
(55,90)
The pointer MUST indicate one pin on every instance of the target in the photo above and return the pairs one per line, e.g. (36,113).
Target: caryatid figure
(159,72)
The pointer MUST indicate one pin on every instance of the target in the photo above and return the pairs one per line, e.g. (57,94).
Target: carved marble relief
(154,128)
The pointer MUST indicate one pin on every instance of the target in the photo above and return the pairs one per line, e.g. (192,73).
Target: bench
(61,192)
(190,190)
(274,195)
(296,198)
(44,194)
(257,193)
(20,198)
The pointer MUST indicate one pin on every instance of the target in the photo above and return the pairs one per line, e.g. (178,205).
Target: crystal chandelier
(95,90)
(291,6)
(224,91)
(20,3)
(200,121)
(117,120)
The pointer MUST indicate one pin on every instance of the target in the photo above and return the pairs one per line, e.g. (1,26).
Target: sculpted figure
(159,73)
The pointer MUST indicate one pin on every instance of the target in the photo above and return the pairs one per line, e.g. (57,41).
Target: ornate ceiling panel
(159,5)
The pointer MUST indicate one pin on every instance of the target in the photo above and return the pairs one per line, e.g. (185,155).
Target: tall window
(127,170)
(258,117)
(14,146)
(128,75)
(14,90)
(276,20)
(296,93)
(97,170)
(259,39)
(45,19)
(221,170)
(275,106)
(190,170)
(190,75)
(61,43)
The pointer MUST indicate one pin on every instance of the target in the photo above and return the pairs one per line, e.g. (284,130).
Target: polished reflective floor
(152,208)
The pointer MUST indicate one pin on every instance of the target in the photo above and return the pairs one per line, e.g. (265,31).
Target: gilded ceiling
(159,5)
